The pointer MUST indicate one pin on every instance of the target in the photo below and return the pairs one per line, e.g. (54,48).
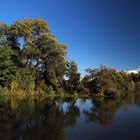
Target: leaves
(7,67)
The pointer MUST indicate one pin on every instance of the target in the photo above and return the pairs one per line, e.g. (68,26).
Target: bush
(40,85)
(110,92)
(3,90)
(137,86)
(43,89)
(24,80)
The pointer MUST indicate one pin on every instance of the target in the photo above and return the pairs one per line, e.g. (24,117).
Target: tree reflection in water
(33,120)
(103,111)
(30,120)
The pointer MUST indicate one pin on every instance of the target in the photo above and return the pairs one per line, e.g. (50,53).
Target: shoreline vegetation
(34,65)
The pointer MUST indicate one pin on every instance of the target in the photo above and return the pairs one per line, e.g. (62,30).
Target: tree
(108,82)
(20,36)
(36,48)
(50,61)
(73,77)
(3,39)
(7,67)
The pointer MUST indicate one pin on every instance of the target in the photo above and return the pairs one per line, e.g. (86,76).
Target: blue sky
(96,31)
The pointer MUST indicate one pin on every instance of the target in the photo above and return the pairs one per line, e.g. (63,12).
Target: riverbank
(35,95)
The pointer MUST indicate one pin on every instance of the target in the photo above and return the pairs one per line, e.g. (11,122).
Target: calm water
(71,119)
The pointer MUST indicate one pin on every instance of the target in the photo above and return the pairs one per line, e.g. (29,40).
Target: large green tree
(36,48)
(7,67)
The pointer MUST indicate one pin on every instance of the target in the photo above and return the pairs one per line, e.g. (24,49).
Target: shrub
(137,86)
(24,80)
(110,92)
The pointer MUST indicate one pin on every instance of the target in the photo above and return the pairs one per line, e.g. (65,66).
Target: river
(71,119)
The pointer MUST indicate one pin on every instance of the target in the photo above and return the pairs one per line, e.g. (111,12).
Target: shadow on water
(54,119)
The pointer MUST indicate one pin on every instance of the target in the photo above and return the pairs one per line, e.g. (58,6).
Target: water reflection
(53,119)
(103,111)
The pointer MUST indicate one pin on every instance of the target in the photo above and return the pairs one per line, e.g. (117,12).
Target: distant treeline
(33,61)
